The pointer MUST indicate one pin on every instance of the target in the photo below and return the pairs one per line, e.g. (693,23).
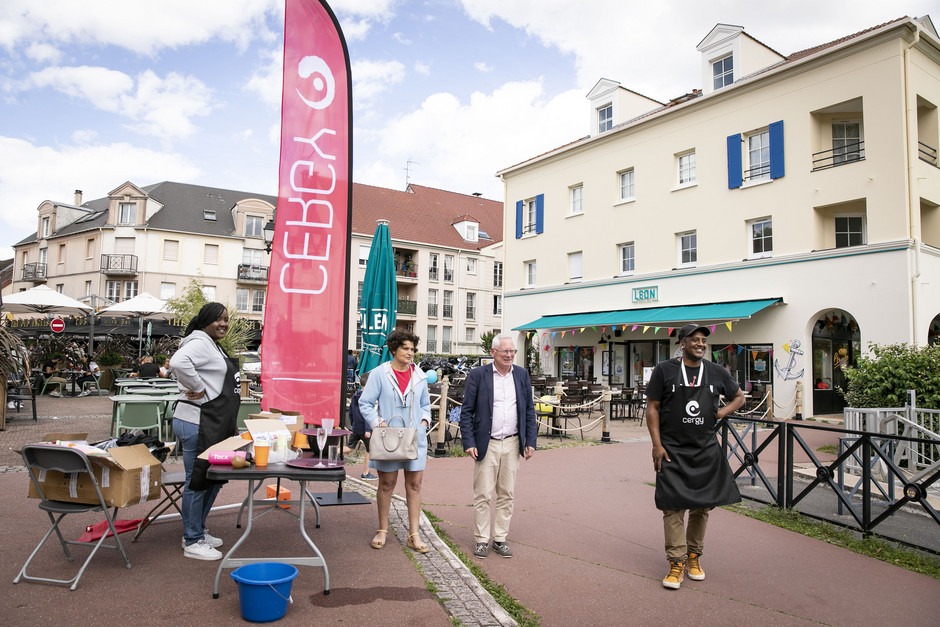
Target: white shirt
(505,418)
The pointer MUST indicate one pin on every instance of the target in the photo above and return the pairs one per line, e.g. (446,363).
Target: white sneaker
(55,395)
(11,405)
(201,551)
(212,541)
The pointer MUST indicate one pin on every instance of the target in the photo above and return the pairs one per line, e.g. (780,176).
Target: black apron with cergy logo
(218,420)
(698,477)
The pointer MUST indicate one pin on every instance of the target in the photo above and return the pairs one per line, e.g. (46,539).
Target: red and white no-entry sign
(57,325)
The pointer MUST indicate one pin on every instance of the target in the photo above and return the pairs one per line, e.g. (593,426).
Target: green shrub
(883,378)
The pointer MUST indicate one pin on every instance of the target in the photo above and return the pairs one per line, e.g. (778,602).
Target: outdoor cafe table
(255,476)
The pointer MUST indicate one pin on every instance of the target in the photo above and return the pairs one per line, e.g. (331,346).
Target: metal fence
(866,487)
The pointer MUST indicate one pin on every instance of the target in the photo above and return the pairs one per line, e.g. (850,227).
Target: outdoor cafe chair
(41,458)
(91,383)
(247,407)
(46,382)
(143,416)
(21,390)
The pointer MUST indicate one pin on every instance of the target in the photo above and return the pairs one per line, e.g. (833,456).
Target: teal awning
(711,313)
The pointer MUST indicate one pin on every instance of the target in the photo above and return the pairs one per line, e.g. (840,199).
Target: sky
(445,92)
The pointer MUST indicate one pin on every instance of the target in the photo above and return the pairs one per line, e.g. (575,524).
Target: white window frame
(130,289)
(497,274)
(257,301)
(472,235)
(626,185)
(685,169)
(167,290)
(254,226)
(364,250)
(448,268)
(434,269)
(89,248)
(208,292)
(626,258)
(113,291)
(757,144)
(471,310)
(841,154)
(530,269)
(576,196)
(721,73)
(753,238)
(253,257)
(497,304)
(45,228)
(849,216)
(575,266)
(531,217)
(470,335)
(242,297)
(62,255)
(87,288)
(687,249)
(448,302)
(171,249)
(127,213)
(605,117)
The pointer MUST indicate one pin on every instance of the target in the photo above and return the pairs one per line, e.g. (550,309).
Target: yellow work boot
(674,578)
(694,568)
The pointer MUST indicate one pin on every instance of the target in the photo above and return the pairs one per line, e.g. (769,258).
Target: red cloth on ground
(94,532)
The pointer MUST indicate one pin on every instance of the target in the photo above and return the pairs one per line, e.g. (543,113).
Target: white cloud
(31,174)
(162,107)
(43,53)
(422,68)
(84,136)
(372,78)
(633,42)
(480,66)
(460,146)
(266,81)
(400,38)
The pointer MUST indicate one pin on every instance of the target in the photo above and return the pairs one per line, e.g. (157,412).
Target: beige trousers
(681,539)
(497,471)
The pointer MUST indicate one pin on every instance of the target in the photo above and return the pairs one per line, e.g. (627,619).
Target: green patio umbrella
(379,300)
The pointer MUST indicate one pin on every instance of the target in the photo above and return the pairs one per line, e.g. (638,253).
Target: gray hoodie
(199,365)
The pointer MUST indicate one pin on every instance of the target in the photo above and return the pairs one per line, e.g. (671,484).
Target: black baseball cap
(689,329)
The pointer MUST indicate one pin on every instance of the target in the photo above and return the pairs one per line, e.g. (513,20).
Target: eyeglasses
(509,353)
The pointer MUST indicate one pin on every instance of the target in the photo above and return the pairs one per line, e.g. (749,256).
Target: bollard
(605,404)
(799,400)
(440,450)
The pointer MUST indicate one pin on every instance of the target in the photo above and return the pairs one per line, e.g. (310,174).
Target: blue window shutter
(539,212)
(776,150)
(518,219)
(734,161)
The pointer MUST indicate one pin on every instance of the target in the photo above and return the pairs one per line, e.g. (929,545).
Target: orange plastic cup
(246,435)
(261,453)
(300,440)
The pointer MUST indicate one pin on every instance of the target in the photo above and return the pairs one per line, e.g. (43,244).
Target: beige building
(151,239)
(448,263)
(791,205)
(448,251)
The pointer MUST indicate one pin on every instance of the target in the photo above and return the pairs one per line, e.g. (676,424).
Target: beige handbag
(395,444)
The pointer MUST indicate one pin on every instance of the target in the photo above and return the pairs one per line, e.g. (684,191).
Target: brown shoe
(674,579)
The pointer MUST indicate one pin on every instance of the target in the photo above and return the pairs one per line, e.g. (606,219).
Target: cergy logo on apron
(693,414)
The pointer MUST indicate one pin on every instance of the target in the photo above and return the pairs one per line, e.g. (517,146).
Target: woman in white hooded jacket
(207,413)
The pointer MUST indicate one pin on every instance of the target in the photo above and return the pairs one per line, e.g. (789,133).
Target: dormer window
(209,214)
(723,71)
(605,118)
(127,213)
(45,228)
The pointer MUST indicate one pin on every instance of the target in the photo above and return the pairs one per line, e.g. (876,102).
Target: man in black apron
(692,474)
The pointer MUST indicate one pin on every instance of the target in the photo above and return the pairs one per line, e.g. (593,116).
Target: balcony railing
(119,264)
(34,272)
(430,346)
(448,311)
(445,346)
(407,307)
(448,275)
(927,153)
(408,269)
(432,310)
(248,273)
(841,155)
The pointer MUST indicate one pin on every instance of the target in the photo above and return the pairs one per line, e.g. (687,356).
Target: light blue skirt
(412,464)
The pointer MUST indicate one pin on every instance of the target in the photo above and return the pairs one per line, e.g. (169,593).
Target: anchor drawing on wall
(787,373)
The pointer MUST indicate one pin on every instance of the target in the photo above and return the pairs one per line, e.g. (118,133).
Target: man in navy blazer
(497,426)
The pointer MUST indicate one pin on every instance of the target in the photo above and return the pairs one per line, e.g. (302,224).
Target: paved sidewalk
(587,545)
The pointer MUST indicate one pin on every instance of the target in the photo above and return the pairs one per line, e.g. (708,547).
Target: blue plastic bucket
(264,590)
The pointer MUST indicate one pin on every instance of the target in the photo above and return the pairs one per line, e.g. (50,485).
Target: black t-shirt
(148,371)
(667,373)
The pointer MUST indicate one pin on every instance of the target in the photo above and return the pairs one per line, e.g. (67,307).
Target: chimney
(78,198)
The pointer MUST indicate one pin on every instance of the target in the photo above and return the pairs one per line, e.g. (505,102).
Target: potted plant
(106,361)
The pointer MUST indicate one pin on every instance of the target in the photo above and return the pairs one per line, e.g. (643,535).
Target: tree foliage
(883,378)
(486,341)
(191,300)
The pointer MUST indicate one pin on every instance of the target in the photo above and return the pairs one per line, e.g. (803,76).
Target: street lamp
(269,235)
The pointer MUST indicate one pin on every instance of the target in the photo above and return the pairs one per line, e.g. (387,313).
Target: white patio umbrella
(141,306)
(43,300)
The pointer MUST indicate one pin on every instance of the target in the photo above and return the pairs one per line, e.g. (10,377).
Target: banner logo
(323,80)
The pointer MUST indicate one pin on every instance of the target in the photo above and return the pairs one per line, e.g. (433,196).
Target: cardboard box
(128,475)
(293,420)
(284,494)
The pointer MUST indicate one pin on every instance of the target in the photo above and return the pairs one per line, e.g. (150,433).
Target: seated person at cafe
(90,372)
(147,369)
(51,371)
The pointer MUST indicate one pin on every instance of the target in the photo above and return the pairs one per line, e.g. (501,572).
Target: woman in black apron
(692,473)
(206,414)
